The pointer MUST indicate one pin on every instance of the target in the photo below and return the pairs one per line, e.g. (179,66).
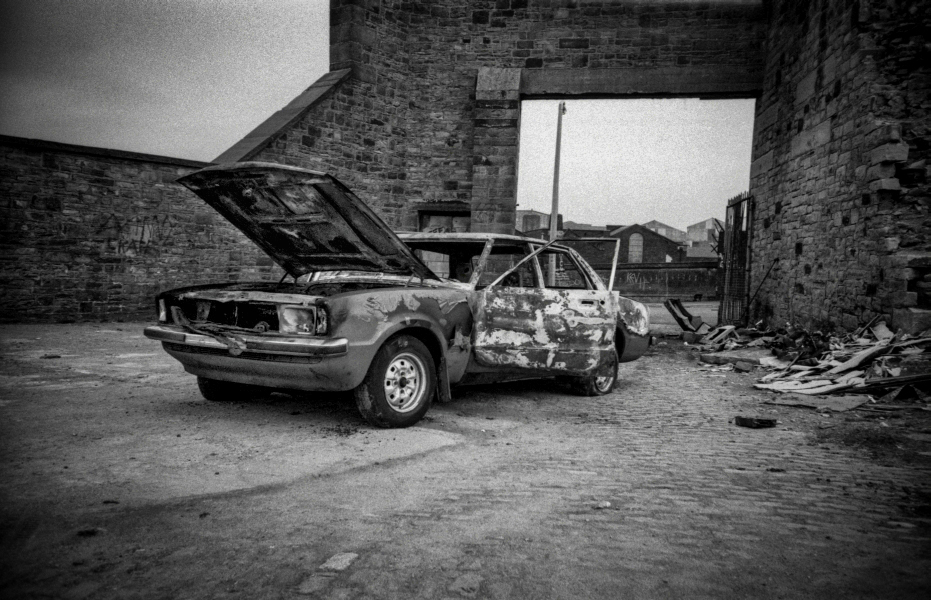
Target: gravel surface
(120,481)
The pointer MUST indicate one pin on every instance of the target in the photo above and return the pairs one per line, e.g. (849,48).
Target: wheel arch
(620,342)
(424,334)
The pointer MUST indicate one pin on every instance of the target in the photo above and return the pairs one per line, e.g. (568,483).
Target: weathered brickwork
(91,234)
(432,108)
(359,131)
(470,134)
(839,173)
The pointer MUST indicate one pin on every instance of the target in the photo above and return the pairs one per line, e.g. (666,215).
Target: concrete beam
(707,81)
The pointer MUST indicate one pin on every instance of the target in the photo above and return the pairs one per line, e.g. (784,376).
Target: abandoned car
(398,319)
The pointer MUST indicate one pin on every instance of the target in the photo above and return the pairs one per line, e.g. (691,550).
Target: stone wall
(421,110)
(430,113)
(839,174)
(94,234)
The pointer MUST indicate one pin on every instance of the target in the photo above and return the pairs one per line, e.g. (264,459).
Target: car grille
(246,315)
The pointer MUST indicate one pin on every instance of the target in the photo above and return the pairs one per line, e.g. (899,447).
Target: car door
(523,324)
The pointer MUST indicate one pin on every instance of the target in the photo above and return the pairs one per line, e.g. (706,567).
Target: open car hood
(305,220)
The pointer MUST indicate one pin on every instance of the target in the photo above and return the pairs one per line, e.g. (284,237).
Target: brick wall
(428,115)
(839,173)
(94,234)
(431,110)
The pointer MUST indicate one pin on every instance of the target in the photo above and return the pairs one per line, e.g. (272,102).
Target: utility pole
(554,212)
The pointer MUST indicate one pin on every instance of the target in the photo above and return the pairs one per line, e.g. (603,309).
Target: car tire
(400,384)
(600,382)
(225,391)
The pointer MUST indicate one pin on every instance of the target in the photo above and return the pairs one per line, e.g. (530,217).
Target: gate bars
(738,230)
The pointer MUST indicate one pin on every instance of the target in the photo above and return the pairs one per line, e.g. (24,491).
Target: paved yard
(119,481)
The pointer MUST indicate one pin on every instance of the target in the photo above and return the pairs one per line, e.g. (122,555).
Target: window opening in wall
(675,161)
(635,248)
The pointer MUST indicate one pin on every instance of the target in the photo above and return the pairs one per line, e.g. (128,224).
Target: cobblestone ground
(519,491)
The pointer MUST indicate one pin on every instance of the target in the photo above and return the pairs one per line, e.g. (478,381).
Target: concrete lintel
(259,137)
(715,81)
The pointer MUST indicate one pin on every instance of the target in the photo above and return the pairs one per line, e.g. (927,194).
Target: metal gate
(737,233)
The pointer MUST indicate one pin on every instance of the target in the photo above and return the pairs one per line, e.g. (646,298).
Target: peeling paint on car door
(537,329)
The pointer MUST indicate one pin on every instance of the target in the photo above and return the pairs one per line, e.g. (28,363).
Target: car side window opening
(568,274)
(503,259)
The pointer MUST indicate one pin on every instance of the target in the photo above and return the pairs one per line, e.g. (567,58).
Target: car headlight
(306,320)
(297,319)
(162,311)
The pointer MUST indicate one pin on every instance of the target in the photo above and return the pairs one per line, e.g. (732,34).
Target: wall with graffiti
(93,234)
(693,281)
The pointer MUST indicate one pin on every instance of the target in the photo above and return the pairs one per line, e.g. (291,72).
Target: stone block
(883,170)
(494,79)
(805,89)
(812,138)
(761,165)
(897,152)
(886,133)
(891,185)
(904,299)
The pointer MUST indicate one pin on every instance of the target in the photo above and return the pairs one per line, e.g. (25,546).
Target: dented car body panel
(359,322)
(485,306)
(540,329)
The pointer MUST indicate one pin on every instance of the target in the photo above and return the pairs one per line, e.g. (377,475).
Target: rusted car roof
(305,220)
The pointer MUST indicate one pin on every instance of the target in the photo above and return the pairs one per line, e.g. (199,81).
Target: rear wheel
(400,384)
(600,382)
(225,391)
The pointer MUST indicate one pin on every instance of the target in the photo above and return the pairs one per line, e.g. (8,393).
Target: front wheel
(600,382)
(400,384)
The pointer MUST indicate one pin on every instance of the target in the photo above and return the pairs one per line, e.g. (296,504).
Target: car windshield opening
(450,260)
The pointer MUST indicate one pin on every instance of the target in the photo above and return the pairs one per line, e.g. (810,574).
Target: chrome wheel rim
(405,382)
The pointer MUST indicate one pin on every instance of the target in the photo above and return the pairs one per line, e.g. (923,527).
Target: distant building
(676,235)
(640,244)
(705,231)
(650,267)
(530,220)
(584,227)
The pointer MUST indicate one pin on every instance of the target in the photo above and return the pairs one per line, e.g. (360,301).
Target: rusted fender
(367,318)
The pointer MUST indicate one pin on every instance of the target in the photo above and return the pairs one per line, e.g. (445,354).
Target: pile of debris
(872,362)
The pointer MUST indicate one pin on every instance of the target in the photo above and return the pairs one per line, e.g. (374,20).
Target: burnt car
(397,319)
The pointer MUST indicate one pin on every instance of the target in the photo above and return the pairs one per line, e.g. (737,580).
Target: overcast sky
(189,78)
(182,78)
(633,161)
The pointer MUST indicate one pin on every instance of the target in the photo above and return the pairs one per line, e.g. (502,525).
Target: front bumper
(285,362)
(283,345)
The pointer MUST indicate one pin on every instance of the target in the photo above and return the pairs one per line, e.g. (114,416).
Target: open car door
(522,324)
